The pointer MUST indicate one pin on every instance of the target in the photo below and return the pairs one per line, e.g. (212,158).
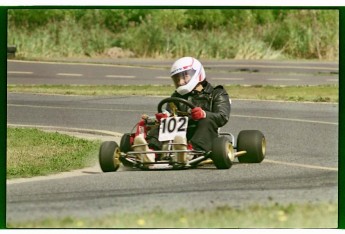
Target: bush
(206,33)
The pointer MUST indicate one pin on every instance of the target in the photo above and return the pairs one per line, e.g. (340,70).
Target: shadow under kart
(250,147)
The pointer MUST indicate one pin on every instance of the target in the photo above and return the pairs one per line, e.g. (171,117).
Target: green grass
(32,152)
(256,216)
(172,33)
(321,93)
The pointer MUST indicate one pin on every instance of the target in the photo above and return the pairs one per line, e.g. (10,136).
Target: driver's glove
(163,115)
(198,113)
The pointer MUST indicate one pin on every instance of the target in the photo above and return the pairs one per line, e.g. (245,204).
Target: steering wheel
(174,100)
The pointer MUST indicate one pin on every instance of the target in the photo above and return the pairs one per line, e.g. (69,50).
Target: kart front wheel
(222,153)
(254,142)
(125,143)
(109,156)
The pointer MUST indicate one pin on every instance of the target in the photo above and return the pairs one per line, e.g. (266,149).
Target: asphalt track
(127,72)
(301,163)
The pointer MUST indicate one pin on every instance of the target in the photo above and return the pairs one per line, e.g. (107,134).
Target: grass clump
(32,152)
(320,93)
(256,216)
(171,33)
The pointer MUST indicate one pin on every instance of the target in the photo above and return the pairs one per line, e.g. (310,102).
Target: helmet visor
(183,78)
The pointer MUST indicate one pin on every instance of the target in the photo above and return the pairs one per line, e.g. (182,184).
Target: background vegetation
(170,33)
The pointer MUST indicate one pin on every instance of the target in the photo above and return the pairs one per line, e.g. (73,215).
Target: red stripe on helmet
(185,67)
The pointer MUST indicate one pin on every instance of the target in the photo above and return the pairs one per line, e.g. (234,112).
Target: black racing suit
(201,133)
(217,106)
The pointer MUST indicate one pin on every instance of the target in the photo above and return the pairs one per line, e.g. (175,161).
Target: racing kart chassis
(250,147)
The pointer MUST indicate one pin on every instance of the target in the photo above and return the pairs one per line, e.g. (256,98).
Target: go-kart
(250,146)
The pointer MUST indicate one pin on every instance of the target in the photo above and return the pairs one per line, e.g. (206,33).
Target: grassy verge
(321,93)
(32,152)
(256,216)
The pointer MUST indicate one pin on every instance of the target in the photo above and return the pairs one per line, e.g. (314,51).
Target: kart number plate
(171,127)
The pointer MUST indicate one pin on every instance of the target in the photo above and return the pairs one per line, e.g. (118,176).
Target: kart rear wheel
(125,143)
(254,142)
(222,153)
(109,156)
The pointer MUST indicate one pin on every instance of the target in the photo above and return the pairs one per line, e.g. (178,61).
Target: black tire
(125,143)
(254,142)
(220,153)
(109,154)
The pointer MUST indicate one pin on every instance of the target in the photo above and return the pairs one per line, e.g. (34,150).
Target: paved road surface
(301,163)
(119,72)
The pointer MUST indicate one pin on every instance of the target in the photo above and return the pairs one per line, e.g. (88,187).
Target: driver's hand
(163,115)
(198,113)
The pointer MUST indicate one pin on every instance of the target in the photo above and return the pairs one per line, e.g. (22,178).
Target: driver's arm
(221,107)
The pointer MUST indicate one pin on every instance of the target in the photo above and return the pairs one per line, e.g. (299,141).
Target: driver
(212,109)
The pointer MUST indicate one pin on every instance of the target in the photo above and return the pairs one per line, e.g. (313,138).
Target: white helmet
(187,66)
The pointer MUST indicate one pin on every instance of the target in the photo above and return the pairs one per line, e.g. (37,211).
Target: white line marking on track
(76,108)
(285,119)
(301,165)
(82,130)
(277,66)
(19,72)
(68,74)
(227,78)
(88,64)
(119,76)
(160,68)
(163,77)
(124,110)
(283,79)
